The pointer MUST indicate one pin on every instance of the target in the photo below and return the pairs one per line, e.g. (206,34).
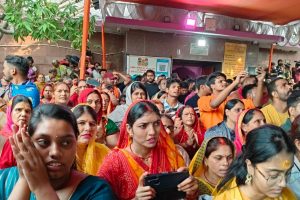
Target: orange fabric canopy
(277,11)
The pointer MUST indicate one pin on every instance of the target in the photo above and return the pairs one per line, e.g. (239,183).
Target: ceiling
(279,12)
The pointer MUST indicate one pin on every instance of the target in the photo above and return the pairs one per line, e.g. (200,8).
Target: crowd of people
(99,138)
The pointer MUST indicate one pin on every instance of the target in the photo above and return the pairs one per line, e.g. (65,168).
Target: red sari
(7,158)
(122,169)
(43,100)
(182,137)
(83,98)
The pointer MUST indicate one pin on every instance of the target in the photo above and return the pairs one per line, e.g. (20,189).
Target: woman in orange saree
(143,146)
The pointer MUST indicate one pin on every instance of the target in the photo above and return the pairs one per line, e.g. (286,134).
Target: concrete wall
(114,50)
(43,52)
(286,56)
(136,42)
(169,45)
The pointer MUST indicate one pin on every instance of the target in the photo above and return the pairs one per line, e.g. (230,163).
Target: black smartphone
(165,184)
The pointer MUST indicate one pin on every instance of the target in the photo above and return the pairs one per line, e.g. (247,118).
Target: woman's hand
(189,186)
(144,192)
(30,163)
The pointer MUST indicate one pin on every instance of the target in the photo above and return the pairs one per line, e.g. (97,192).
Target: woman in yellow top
(90,154)
(211,162)
(261,171)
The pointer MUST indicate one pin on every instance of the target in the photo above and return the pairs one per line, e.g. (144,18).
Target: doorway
(193,69)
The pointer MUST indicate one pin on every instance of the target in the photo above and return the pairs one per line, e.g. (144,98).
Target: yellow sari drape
(90,156)
(197,168)
(231,191)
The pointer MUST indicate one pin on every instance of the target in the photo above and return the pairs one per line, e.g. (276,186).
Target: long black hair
(138,110)
(261,144)
(229,105)
(52,111)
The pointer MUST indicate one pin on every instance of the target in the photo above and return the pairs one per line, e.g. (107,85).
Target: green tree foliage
(46,20)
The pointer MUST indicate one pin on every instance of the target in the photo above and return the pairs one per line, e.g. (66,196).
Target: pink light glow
(190,22)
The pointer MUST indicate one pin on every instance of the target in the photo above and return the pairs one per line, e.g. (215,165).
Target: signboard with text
(234,59)
(138,65)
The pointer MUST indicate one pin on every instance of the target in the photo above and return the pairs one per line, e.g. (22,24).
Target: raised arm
(257,101)
(32,170)
(216,102)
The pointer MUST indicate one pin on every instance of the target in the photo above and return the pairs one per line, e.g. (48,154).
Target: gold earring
(248,179)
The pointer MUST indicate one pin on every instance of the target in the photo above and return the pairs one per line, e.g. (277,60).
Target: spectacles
(274,179)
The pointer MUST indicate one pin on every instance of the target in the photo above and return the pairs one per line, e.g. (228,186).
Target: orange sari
(122,169)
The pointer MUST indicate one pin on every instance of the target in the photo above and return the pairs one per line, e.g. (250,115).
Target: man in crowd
(201,90)
(276,112)
(108,79)
(15,69)
(212,107)
(184,91)
(150,84)
(293,104)
(171,103)
(123,84)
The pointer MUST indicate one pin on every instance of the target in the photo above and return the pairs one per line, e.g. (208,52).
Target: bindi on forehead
(286,164)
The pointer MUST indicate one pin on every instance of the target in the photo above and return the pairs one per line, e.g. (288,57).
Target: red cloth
(83,98)
(182,136)
(7,128)
(7,158)
(74,99)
